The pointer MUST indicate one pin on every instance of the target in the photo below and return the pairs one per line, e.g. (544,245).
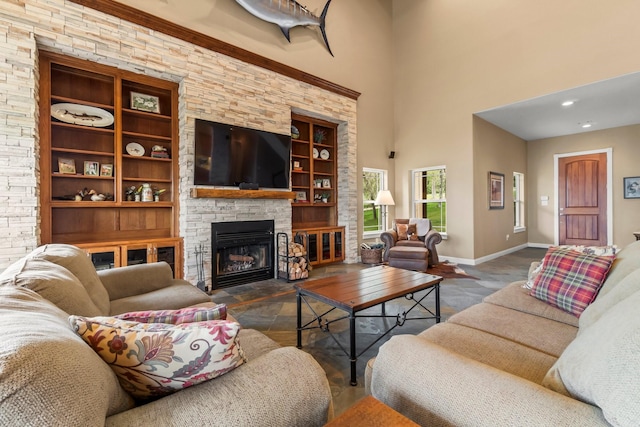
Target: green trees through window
(373,180)
(430,196)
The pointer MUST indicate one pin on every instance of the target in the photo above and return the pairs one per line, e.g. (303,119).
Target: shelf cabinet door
(312,249)
(163,250)
(104,257)
(325,245)
(338,245)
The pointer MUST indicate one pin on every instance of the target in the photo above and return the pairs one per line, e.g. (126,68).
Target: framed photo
(142,102)
(326,183)
(91,168)
(496,190)
(106,169)
(66,166)
(632,187)
(301,196)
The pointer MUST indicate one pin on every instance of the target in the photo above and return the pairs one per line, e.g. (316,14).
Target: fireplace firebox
(241,252)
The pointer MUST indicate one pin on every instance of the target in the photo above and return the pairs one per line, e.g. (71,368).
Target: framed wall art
(66,166)
(91,168)
(106,169)
(142,102)
(496,190)
(632,187)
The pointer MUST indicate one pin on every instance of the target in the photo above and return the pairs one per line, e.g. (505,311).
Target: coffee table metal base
(320,321)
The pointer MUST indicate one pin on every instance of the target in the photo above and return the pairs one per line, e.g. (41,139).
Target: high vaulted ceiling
(606,104)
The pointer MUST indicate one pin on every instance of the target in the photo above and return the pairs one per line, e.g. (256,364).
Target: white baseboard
(468,261)
(540,245)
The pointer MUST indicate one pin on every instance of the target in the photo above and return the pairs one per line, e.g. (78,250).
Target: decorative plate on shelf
(316,153)
(135,149)
(81,115)
(324,154)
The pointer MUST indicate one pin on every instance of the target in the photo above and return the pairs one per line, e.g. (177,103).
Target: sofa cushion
(409,243)
(48,375)
(490,349)
(516,297)
(600,366)
(53,282)
(255,343)
(570,280)
(544,335)
(625,263)
(628,286)
(79,264)
(283,387)
(172,297)
(176,317)
(156,359)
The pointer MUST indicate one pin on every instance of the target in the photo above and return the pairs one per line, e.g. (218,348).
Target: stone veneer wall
(212,87)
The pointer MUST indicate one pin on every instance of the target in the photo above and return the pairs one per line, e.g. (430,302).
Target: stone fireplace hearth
(241,252)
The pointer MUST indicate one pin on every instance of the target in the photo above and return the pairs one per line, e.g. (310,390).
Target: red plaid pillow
(570,280)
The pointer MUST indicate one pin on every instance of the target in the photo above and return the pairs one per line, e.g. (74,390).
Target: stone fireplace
(212,86)
(241,252)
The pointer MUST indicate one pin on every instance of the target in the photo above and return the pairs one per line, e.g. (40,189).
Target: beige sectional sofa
(515,360)
(49,376)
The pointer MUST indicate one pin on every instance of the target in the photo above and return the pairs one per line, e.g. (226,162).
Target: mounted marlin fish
(287,14)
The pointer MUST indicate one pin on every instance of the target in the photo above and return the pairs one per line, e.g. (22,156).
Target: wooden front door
(582,199)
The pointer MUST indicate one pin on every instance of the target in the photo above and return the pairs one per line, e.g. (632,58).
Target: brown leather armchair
(425,236)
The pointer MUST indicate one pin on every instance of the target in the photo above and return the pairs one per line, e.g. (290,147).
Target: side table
(370,412)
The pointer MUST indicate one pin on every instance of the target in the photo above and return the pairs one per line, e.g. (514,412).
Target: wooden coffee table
(359,290)
(369,412)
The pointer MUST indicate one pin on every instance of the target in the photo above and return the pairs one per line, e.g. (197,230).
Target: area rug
(449,270)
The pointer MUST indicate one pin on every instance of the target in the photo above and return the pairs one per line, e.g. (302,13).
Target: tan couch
(49,376)
(515,360)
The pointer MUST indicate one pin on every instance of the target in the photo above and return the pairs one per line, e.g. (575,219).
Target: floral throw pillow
(570,280)
(176,317)
(155,359)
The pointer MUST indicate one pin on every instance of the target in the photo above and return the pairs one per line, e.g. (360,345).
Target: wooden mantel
(218,193)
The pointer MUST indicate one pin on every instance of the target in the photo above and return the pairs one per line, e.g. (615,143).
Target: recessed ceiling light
(586,125)
(568,103)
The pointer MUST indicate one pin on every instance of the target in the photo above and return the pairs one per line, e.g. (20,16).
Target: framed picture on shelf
(106,169)
(326,183)
(66,166)
(301,196)
(142,102)
(496,190)
(91,168)
(632,187)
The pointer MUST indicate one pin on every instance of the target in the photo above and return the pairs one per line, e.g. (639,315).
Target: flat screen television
(227,155)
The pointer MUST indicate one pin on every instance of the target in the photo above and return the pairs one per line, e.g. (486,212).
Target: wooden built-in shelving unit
(115,221)
(315,183)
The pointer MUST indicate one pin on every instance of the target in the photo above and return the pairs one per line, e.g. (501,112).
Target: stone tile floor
(270,307)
